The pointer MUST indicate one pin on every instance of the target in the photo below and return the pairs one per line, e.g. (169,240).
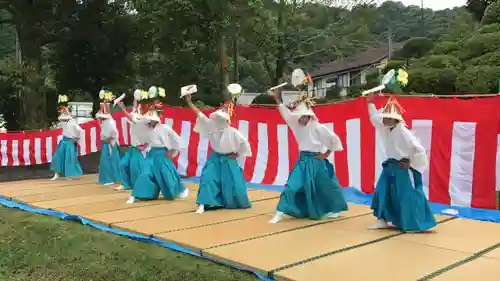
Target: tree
(478,7)
(491,14)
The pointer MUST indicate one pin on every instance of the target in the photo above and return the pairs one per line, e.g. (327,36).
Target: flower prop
(305,99)
(106,96)
(62,100)
(402,77)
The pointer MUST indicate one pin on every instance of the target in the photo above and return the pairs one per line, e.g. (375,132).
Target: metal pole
(422,17)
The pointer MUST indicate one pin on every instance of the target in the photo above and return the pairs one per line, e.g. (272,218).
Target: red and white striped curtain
(462,138)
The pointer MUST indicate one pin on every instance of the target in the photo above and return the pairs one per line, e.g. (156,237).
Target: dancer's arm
(244,148)
(418,156)
(203,124)
(78,131)
(287,115)
(329,139)
(129,116)
(375,115)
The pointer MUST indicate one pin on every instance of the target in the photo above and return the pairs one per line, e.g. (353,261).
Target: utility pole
(389,43)
(422,17)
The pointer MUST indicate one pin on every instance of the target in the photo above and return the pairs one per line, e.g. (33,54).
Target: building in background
(81,111)
(345,73)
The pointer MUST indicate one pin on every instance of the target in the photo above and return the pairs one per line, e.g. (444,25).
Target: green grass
(40,248)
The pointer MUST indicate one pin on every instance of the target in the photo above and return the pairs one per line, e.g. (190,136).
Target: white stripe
(498,164)
(15,153)
(283,159)
(169,122)
(38,151)
(380,156)
(423,131)
(331,158)
(262,154)
(93,137)
(353,141)
(3,151)
(202,155)
(26,152)
(243,129)
(124,131)
(462,163)
(184,153)
(83,150)
(48,149)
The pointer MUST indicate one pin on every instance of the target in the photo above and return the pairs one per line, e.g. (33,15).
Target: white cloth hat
(64,114)
(220,114)
(152,115)
(104,111)
(392,110)
(303,110)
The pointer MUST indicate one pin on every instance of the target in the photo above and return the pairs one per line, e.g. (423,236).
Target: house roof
(365,58)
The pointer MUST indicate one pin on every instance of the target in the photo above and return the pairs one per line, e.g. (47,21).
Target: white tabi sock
(56,176)
(184,194)
(201,209)
(131,200)
(277,217)
(381,224)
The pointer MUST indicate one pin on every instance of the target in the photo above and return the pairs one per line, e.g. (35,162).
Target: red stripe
(484,157)
(194,141)
(20,155)
(440,157)
(177,126)
(121,130)
(253,138)
(272,154)
(10,159)
(32,151)
(367,155)
(341,169)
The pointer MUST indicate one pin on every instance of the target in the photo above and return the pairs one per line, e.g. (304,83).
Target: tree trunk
(223,64)
(33,97)
(236,60)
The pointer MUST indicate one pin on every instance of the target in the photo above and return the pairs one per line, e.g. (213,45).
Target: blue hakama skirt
(65,160)
(398,202)
(312,189)
(158,175)
(109,164)
(131,166)
(222,184)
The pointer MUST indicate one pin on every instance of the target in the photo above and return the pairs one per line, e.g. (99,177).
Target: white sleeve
(244,148)
(328,138)
(173,140)
(289,118)
(375,116)
(418,156)
(78,131)
(203,125)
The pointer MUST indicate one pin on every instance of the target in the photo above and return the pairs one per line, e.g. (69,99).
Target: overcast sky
(434,4)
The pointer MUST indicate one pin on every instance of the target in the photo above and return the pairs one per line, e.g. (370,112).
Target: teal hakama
(158,175)
(109,164)
(222,184)
(312,190)
(131,166)
(65,160)
(397,201)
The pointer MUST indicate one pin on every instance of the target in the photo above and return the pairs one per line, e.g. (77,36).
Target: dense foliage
(79,46)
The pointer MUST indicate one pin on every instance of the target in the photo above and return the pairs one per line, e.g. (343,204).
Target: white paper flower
(101,94)
(137,94)
(153,91)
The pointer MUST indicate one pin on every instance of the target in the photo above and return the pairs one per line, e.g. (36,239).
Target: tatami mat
(460,235)
(293,249)
(481,269)
(387,260)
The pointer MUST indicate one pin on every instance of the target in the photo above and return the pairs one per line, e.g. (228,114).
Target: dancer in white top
(222,184)
(399,199)
(65,161)
(312,190)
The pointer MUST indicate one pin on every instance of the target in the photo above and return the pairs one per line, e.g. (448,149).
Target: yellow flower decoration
(108,96)
(62,99)
(403,77)
(161,92)
(144,95)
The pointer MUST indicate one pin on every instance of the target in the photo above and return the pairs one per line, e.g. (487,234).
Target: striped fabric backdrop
(462,138)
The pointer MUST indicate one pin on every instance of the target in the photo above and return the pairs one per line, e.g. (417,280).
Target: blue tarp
(352,195)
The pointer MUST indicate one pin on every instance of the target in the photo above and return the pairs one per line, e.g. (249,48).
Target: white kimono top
(109,130)
(71,129)
(164,136)
(139,130)
(223,138)
(314,137)
(399,142)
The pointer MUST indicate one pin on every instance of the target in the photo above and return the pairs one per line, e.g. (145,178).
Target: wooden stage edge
(292,250)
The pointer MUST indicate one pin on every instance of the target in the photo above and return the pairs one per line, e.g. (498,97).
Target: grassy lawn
(40,248)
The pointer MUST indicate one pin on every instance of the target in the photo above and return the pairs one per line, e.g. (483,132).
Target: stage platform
(339,249)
